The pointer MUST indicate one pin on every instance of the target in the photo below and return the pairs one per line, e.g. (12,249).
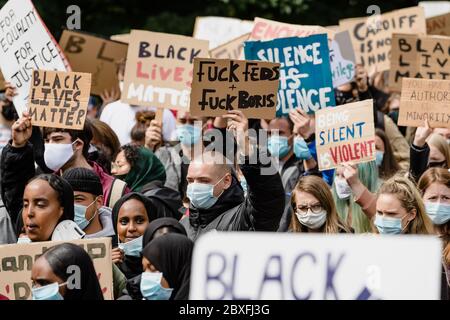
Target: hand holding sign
(10,91)
(21,131)
(361,78)
(153,135)
(238,125)
(422,134)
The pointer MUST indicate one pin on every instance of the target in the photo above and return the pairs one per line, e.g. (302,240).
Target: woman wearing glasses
(314,208)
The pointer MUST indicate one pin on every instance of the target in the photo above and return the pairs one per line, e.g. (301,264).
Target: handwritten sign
(18,259)
(345,134)
(158,72)
(265,29)
(220,30)
(416,56)
(439,25)
(59,99)
(94,55)
(25,45)
(371,36)
(305,76)
(342,59)
(290,266)
(233,49)
(220,85)
(424,99)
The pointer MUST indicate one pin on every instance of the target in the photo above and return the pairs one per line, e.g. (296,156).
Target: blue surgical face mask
(278,146)
(48,292)
(151,288)
(438,212)
(201,195)
(188,134)
(80,215)
(132,248)
(379,157)
(387,225)
(301,149)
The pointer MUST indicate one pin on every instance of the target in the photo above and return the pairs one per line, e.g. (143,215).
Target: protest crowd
(135,154)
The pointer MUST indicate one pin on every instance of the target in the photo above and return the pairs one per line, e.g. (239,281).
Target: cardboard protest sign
(265,29)
(158,72)
(416,56)
(435,8)
(220,85)
(342,59)
(59,99)
(25,45)
(439,25)
(90,54)
(305,76)
(2,81)
(233,49)
(300,266)
(220,30)
(424,99)
(371,36)
(345,134)
(18,259)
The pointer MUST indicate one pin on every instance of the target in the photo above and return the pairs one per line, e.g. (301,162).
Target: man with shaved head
(216,197)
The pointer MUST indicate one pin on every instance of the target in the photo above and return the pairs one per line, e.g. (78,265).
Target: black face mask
(440,164)
(9,112)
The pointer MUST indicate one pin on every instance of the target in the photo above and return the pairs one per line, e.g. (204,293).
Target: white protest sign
(25,45)
(342,59)
(435,8)
(257,265)
(220,30)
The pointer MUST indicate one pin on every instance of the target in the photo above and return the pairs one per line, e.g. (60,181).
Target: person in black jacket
(216,197)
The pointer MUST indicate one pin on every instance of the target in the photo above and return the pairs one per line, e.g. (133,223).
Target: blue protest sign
(305,74)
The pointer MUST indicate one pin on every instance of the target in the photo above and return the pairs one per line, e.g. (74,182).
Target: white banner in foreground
(250,265)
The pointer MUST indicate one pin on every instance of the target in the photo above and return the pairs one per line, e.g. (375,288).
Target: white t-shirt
(121,118)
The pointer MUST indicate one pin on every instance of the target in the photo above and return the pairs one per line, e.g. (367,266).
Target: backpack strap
(117,189)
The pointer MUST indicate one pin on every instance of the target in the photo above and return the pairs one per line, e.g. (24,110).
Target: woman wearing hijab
(47,201)
(167,268)
(155,229)
(50,275)
(137,166)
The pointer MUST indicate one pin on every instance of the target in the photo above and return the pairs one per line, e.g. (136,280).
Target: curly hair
(131,153)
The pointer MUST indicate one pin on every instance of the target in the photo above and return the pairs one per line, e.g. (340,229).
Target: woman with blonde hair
(314,208)
(435,188)
(400,209)
(439,151)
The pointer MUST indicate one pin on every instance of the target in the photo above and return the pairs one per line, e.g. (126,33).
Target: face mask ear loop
(217,184)
(403,229)
(96,212)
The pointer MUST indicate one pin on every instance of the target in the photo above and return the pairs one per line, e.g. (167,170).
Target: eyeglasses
(315,208)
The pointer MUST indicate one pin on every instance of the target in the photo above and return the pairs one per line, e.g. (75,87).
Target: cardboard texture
(220,85)
(345,134)
(59,99)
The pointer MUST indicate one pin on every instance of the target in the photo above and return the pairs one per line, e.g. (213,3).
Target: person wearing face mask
(131,216)
(90,214)
(105,144)
(63,150)
(189,132)
(434,186)
(121,116)
(353,191)
(400,209)
(51,271)
(166,262)
(216,198)
(314,208)
(155,229)
(386,162)
(428,150)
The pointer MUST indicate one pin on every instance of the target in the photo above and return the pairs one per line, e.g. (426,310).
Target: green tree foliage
(107,17)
